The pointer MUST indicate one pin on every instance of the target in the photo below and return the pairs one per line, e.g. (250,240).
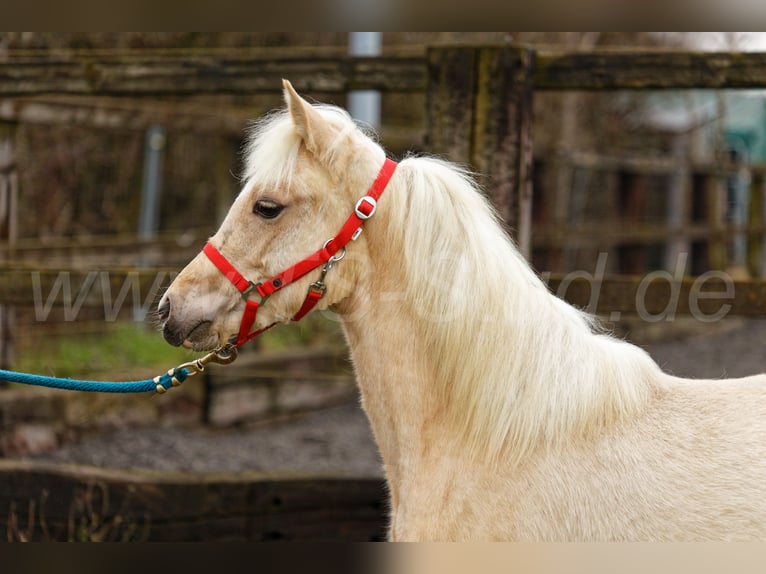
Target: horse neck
(397,387)
(494,372)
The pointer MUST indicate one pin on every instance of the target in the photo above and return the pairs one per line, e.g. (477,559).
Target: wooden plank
(450,102)
(9,203)
(646,165)
(74,289)
(113,114)
(707,297)
(17,286)
(644,69)
(182,72)
(502,138)
(678,216)
(479,110)
(598,234)
(177,72)
(756,241)
(169,248)
(715,199)
(633,258)
(51,502)
(36,287)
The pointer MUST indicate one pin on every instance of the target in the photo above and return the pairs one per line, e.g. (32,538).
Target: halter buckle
(370,205)
(253,287)
(318,287)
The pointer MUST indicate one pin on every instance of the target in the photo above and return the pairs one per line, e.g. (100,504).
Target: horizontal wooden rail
(73,289)
(117,114)
(96,251)
(180,72)
(52,502)
(648,165)
(29,286)
(657,296)
(593,235)
(99,242)
(648,69)
(184,72)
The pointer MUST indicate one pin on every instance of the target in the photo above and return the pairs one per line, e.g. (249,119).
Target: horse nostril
(163,311)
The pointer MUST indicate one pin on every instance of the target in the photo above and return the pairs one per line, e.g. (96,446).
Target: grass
(127,347)
(123,347)
(319,328)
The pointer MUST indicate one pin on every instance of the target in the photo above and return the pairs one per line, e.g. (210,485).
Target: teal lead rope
(159,384)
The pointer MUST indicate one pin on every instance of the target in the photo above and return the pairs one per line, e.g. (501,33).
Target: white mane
(271,151)
(500,412)
(515,365)
(518,365)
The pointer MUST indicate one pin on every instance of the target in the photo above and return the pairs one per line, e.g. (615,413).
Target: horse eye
(267,208)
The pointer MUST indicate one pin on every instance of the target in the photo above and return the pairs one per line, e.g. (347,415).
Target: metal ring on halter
(222,355)
(338,256)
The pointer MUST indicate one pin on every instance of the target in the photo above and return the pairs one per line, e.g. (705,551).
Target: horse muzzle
(191,333)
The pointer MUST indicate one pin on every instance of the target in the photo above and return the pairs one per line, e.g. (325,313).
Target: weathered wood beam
(647,165)
(113,115)
(9,204)
(74,289)
(641,70)
(99,251)
(25,285)
(550,235)
(60,502)
(169,72)
(756,246)
(184,72)
(657,296)
(479,113)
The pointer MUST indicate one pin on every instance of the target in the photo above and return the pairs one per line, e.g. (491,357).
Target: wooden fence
(478,98)
(650,214)
(478,103)
(55,502)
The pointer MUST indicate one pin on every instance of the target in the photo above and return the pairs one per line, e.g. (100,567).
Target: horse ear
(310,125)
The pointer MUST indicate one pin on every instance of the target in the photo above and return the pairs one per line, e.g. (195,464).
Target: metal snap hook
(223,356)
(338,256)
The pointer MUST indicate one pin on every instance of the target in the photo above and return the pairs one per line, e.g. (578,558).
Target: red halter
(327,256)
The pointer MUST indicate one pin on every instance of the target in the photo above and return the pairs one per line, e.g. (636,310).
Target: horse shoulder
(690,466)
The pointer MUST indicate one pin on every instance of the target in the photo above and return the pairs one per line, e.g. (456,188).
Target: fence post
(633,256)
(716,209)
(756,241)
(479,113)
(9,200)
(450,101)
(678,208)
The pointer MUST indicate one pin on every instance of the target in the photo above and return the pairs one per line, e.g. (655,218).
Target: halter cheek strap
(332,252)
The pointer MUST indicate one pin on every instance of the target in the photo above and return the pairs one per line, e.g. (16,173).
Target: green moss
(123,348)
(316,329)
(130,350)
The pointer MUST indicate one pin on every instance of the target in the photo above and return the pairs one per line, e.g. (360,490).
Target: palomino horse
(501,412)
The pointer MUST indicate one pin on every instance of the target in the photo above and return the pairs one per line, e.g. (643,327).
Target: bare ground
(338,440)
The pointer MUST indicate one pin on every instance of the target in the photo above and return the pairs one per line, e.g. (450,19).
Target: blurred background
(103,198)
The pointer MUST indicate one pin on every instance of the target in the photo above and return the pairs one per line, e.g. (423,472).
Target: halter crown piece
(331,252)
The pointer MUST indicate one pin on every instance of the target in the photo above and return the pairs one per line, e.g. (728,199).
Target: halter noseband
(332,252)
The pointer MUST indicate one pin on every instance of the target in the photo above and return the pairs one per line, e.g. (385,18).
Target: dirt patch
(334,440)
(339,440)
(731,348)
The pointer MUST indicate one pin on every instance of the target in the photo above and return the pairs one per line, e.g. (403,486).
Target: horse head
(305,169)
